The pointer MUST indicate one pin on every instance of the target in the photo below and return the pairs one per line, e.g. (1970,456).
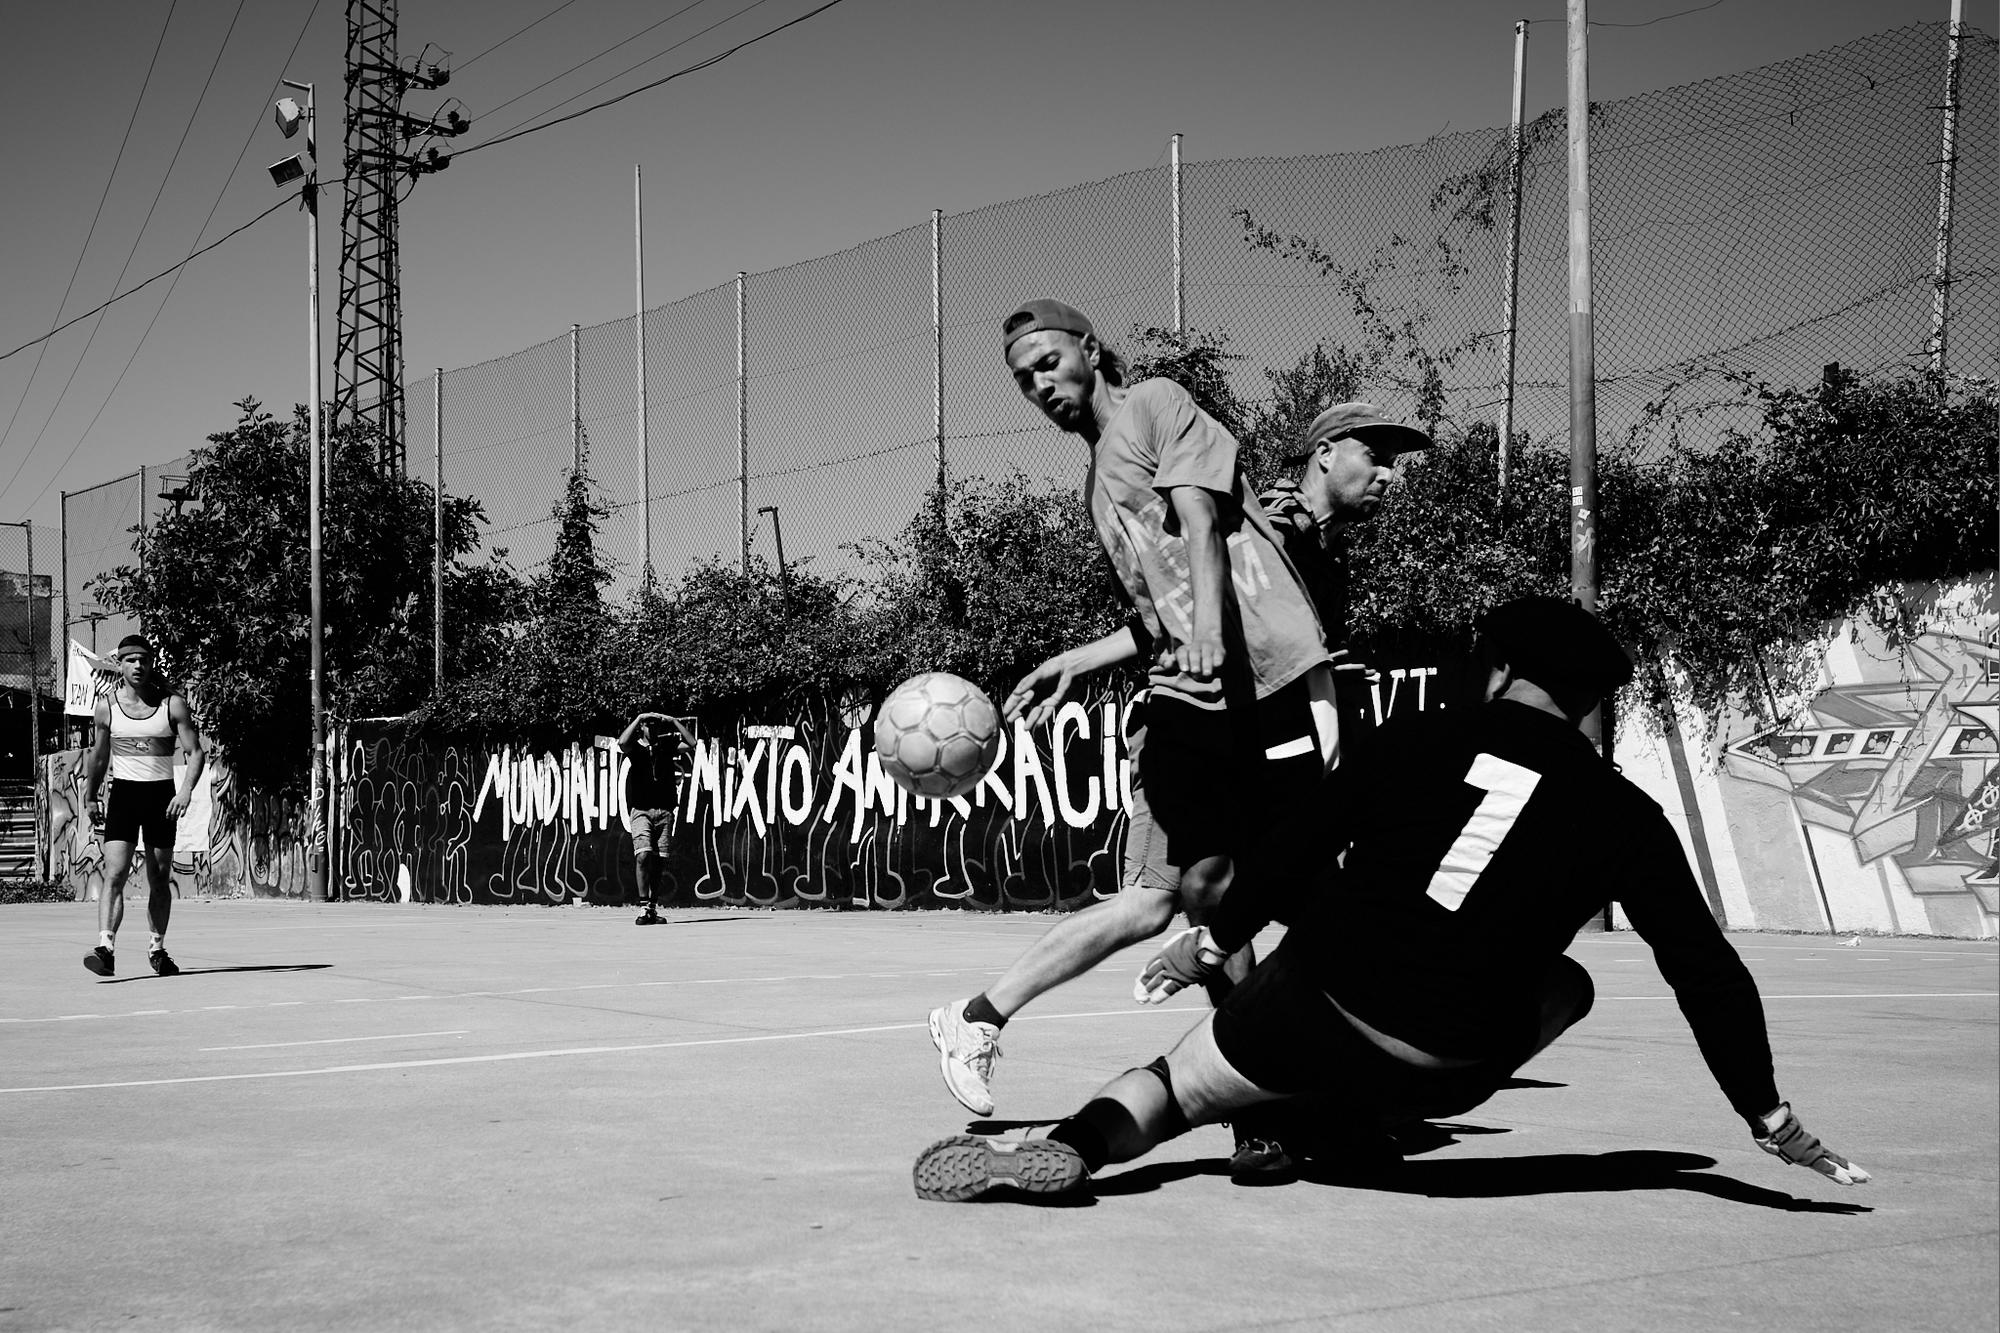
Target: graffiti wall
(230,844)
(1875,808)
(791,811)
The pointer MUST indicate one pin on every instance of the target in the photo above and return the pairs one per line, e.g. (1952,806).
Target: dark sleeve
(1140,635)
(1716,993)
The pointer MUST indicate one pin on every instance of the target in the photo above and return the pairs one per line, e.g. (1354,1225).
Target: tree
(223,587)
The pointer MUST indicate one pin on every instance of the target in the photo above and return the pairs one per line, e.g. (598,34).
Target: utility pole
(1514,151)
(1947,188)
(290,169)
(368,350)
(1582,354)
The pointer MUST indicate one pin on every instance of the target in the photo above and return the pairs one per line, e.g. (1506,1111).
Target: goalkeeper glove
(1795,1144)
(1189,959)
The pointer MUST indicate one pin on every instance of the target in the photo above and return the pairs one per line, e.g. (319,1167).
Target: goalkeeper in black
(1477,843)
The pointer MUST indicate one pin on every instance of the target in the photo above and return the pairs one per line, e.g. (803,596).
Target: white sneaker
(966,1052)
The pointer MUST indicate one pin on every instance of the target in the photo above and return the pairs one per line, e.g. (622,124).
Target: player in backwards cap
(1477,844)
(137,726)
(1239,724)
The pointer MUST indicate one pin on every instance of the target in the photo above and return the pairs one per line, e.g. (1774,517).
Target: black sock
(979,1009)
(1091,1130)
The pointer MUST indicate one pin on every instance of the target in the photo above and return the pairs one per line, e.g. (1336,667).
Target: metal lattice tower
(368,352)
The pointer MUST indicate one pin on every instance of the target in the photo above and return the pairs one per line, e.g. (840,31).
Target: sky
(854,123)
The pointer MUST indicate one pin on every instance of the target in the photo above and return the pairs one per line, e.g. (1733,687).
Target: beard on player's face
(1055,373)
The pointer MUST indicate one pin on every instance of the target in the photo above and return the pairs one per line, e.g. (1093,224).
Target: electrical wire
(581,63)
(92,232)
(716,59)
(464,64)
(227,178)
(151,208)
(1678,14)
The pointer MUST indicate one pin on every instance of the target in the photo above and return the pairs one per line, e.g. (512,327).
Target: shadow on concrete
(1565,1173)
(209,971)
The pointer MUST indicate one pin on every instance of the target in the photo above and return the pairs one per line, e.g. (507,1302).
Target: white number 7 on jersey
(1508,787)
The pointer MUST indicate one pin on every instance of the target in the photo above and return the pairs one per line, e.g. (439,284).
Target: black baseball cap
(1034,316)
(1364,420)
(1556,644)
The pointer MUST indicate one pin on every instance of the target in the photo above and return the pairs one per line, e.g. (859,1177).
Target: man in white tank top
(137,727)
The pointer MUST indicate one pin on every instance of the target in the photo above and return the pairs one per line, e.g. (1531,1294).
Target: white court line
(335,1041)
(573,1050)
(535,990)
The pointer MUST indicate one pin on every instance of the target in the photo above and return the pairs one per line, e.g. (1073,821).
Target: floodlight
(287,171)
(288,115)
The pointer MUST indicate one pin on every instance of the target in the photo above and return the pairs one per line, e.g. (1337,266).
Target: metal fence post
(1513,279)
(1947,183)
(1180,287)
(937,348)
(639,350)
(742,434)
(437,541)
(575,406)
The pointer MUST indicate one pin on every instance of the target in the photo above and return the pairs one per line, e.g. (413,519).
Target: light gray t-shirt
(1161,439)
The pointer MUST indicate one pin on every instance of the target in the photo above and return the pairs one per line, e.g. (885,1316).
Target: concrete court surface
(363,1116)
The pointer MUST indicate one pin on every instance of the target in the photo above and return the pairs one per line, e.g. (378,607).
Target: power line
(1647,23)
(32,342)
(92,232)
(464,64)
(581,63)
(228,177)
(612,101)
(629,68)
(139,236)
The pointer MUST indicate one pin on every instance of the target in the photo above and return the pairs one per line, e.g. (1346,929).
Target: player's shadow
(206,971)
(1619,1172)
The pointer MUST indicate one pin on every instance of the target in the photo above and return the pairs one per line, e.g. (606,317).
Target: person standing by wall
(653,742)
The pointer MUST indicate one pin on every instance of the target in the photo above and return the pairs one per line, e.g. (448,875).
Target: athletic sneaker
(1259,1160)
(100,961)
(966,1052)
(965,1166)
(162,964)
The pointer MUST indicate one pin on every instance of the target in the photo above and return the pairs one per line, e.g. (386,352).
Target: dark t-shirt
(1478,843)
(653,780)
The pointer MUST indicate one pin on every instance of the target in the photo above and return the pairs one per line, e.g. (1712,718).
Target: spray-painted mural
(778,812)
(1874,809)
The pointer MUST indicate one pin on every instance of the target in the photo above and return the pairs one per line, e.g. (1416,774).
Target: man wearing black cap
(137,727)
(1344,466)
(1238,725)
(1477,845)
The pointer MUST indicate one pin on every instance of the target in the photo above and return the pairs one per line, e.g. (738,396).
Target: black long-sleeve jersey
(1477,844)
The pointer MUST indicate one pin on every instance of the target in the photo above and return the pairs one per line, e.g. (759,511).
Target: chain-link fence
(1768,222)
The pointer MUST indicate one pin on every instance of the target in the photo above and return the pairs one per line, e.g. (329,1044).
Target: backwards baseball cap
(1558,645)
(1365,420)
(133,643)
(1034,316)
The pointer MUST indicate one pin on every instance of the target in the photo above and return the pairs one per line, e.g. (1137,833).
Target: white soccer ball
(937,734)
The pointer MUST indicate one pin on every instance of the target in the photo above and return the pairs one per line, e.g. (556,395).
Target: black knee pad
(1177,1121)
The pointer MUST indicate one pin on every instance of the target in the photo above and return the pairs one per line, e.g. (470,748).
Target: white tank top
(142,748)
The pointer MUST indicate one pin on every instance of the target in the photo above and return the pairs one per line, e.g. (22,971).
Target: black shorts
(1211,787)
(135,807)
(1278,1029)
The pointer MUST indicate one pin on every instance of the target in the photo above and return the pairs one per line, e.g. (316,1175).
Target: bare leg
(111,902)
(160,888)
(1079,942)
(1137,1111)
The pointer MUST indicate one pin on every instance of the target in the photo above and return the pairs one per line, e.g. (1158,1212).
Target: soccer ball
(937,734)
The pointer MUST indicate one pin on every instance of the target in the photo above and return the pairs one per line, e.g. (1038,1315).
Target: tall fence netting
(1769,223)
